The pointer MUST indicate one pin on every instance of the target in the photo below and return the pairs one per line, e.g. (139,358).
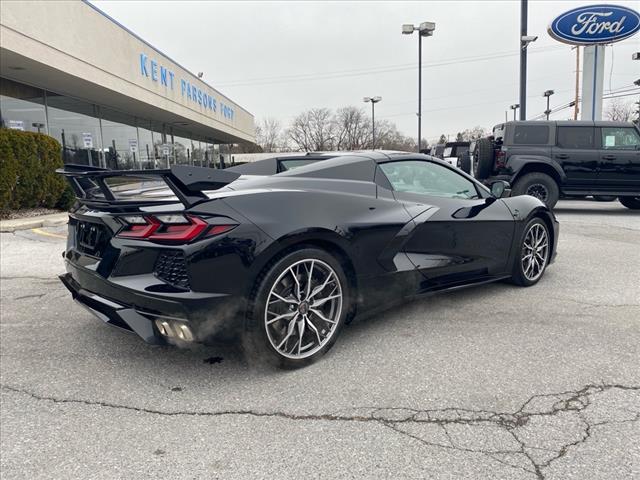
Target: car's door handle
(562,156)
(609,157)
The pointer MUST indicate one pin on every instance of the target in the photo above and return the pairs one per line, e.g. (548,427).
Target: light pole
(525,40)
(515,108)
(636,56)
(548,94)
(425,29)
(373,101)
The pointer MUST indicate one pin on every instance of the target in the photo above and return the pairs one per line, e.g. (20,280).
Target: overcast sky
(279,58)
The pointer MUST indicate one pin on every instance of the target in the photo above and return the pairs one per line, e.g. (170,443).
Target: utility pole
(419,92)
(523,59)
(576,109)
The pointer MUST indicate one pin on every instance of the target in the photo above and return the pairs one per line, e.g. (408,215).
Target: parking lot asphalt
(490,382)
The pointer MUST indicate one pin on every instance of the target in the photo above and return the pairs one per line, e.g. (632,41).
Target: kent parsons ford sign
(190,93)
(595,24)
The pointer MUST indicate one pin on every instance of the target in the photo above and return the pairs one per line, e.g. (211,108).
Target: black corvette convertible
(182,255)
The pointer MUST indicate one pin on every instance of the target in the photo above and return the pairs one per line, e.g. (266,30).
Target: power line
(624,93)
(373,70)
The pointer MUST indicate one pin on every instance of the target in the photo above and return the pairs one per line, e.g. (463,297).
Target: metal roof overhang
(23,69)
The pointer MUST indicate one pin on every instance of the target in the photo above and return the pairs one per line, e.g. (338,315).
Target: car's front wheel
(299,306)
(539,185)
(534,253)
(630,202)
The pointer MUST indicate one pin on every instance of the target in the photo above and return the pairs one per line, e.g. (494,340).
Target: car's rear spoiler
(186,182)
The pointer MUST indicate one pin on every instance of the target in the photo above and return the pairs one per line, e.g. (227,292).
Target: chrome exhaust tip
(174,329)
(184,333)
(164,328)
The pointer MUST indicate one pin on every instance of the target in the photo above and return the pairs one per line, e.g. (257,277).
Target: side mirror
(500,189)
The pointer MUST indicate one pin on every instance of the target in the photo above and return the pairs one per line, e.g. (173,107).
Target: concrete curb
(34,222)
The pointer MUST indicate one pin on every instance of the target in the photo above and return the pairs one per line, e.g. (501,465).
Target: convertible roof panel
(350,167)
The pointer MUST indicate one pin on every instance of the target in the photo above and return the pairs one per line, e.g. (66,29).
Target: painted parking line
(47,234)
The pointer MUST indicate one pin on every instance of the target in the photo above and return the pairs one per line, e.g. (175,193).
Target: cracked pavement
(489,382)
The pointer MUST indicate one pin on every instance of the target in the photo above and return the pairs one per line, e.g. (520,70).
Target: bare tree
(269,134)
(389,138)
(474,133)
(313,130)
(352,129)
(620,111)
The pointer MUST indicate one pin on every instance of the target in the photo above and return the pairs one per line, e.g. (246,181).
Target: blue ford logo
(595,24)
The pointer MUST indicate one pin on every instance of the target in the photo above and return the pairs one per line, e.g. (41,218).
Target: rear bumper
(135,310)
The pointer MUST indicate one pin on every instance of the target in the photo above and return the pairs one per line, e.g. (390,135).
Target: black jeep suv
(548,158)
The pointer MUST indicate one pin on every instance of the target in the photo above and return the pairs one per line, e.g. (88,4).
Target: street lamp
(515,108)
(548,94)
(425,29)
(373,101)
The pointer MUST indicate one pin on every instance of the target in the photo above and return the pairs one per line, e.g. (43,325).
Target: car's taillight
(174,228)
(138,227)
(501,158)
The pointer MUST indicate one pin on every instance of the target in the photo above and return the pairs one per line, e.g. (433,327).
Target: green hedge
(27,164)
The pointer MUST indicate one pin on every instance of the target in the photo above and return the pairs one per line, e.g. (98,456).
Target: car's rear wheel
(300,304)
(483,159)
(533,256)
(630,202)
(539,185)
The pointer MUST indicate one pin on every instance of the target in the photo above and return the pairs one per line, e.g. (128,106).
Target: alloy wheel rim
(535,252)
(303,309)
(539,191)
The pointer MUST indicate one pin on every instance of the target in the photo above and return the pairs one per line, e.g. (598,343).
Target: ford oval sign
(595,24)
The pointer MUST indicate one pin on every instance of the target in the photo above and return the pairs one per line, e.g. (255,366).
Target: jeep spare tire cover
(483,159)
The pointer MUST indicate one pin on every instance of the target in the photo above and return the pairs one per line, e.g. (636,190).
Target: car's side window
(531,135)
(285,165)
(575,137)
(620,138)
(428,178)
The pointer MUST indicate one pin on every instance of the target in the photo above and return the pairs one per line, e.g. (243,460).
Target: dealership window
(120,138)
(575,137)
(75,124)
(210,155)
(146,151)
(22,107)
(620,138)
(531,135)
(182,150)
(198,153)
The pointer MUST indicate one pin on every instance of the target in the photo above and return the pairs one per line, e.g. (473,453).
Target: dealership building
(111,99)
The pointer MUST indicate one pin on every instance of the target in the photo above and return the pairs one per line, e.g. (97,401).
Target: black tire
(464,162)
(539,185)
(604,198)
(630,202)
(261,339)
(483,159)
(519,275)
